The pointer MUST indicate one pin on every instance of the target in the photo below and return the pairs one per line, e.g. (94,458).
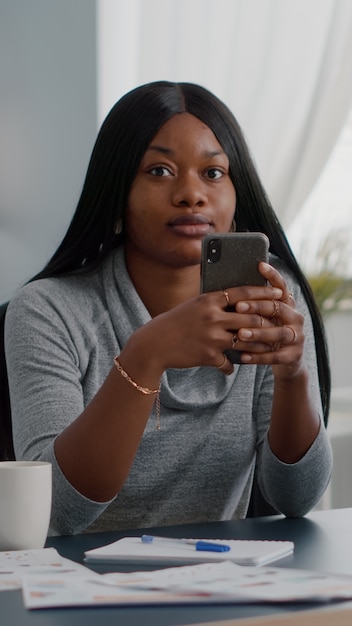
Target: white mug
(25,504)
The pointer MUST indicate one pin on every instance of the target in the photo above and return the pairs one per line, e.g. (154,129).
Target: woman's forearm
(295,421)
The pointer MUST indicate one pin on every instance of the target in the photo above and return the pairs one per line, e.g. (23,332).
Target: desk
(323,541)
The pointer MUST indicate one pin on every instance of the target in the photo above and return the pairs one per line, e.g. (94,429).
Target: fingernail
(245,333)
(242,306)
(277,293)
(246,358)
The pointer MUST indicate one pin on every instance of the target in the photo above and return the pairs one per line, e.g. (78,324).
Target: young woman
(116,362)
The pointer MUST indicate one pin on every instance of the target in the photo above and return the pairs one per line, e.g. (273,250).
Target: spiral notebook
(242,552)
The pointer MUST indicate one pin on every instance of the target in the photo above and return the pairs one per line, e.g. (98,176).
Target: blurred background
(284,67)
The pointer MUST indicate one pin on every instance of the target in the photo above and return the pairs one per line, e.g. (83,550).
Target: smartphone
(231,260)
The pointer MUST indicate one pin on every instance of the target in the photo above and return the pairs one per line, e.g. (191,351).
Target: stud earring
(118,227)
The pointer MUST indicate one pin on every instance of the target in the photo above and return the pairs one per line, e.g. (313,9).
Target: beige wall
(47,126)
(339,334)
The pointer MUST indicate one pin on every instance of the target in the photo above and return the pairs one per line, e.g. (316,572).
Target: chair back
(258,506)
(6,444)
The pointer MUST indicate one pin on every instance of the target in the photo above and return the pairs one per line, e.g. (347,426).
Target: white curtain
(284,67)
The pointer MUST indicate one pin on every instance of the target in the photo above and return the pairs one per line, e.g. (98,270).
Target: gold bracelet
(145,390)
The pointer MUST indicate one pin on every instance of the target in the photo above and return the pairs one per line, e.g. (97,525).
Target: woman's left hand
(280,338)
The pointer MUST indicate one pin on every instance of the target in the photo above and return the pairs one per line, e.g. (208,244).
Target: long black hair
(121,143)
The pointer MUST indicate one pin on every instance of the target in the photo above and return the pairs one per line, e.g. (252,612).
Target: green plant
(329,280)
(330,291)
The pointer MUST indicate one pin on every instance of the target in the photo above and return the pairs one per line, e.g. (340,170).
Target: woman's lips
(191,225)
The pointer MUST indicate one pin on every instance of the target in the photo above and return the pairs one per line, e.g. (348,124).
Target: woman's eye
(160,170)
(214,173)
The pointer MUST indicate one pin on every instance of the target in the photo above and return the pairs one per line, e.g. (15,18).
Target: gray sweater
(61,337)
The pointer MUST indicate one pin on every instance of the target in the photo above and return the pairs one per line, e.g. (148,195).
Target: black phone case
(235,263)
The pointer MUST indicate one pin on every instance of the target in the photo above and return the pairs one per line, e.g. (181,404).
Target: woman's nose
(189,190)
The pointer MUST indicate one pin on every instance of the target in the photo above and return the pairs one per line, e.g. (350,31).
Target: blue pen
(205,546)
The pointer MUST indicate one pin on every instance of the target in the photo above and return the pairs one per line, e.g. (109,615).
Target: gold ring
(234,340)
(294,336)
(223,363)
(289,297)
(226,294)
(276,309)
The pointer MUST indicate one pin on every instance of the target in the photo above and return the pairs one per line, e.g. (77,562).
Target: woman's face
(182,192)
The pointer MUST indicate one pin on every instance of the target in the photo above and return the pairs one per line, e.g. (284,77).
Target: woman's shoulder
(61,295)
(52,290)
(75,287)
